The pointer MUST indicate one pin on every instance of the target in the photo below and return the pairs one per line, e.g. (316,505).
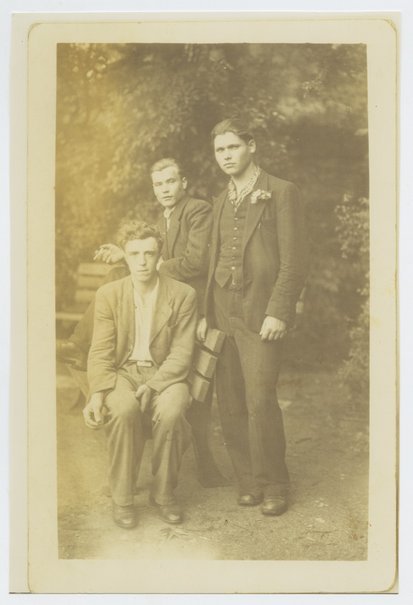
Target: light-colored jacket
(171,340)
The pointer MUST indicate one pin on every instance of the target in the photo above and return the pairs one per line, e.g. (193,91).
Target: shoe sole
(157,507)
(256,502)
(119,524)
(276,513)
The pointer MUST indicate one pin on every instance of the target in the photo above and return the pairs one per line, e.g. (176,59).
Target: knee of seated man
(173,402)
(123,406)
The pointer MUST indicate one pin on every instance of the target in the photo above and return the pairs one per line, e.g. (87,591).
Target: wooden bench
(88,279)
(205,361)
(90,276)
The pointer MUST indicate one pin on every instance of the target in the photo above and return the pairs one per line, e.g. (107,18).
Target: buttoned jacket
(274,252)
(172,333)
(186,243)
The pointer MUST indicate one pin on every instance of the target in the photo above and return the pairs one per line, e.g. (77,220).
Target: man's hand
(109,253)
(144,394)
(272,328)
(201,330)
(95,411)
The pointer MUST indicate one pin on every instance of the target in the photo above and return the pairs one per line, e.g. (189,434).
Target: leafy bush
(353,235)
(120,107)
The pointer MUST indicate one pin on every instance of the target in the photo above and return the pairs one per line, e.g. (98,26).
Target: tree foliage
(353,234)
(120,107)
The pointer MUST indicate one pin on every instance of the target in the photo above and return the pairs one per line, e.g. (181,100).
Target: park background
(121,107)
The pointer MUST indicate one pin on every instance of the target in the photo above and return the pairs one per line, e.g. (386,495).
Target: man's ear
(252,146)
(184,182)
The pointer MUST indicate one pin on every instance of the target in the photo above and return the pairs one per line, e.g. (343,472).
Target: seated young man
(140,356)
(185,225)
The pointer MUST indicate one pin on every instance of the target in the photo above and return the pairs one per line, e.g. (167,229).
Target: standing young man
(257,270)
(139,359)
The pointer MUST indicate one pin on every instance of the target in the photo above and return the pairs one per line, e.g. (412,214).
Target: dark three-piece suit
(257,268)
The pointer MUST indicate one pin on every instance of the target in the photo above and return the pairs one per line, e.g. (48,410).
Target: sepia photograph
(206,212)
(244,169)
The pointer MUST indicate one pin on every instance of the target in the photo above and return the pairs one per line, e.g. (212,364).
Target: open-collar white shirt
(144,311)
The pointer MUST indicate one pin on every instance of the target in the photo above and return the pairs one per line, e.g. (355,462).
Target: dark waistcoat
(231,230)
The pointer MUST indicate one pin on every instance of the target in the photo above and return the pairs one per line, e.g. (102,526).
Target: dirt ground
(328,462)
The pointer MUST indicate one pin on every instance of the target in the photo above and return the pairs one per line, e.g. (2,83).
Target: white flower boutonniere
(260,194)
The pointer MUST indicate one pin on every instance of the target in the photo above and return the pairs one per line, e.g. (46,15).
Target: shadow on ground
(328,462)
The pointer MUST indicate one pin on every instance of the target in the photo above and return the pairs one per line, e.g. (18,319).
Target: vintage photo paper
(107,99)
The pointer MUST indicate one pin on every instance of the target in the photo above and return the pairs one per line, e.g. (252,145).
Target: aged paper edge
(372,575)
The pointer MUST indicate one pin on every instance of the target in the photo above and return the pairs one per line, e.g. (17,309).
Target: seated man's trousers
(126,435)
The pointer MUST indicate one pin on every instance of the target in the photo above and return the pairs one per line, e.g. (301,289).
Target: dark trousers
(246,380)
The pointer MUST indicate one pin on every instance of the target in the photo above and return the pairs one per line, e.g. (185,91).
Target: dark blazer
(274,253)
(185,249)
(171,340)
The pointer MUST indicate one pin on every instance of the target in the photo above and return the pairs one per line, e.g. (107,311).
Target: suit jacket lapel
(254,211)
(161,224)
(175,223)
(127,305)
(220,201)
(162,312)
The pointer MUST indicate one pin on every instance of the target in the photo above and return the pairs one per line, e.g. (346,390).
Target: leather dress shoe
(249,499)
(274,505)
(170,513)
(124,516)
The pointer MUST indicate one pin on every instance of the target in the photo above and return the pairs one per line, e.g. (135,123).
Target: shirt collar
(150,301)
(236,197)
(168,211)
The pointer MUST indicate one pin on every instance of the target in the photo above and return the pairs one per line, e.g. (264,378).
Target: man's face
(168,186)
(233,154)
(142,256)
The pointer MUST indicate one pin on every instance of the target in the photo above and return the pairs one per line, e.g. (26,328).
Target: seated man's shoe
(249,499)
(124,516)
(170,513)
(274,505)
(68,352)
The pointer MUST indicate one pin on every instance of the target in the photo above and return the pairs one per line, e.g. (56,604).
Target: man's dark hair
(234,125)
(134,229)
(167,163)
